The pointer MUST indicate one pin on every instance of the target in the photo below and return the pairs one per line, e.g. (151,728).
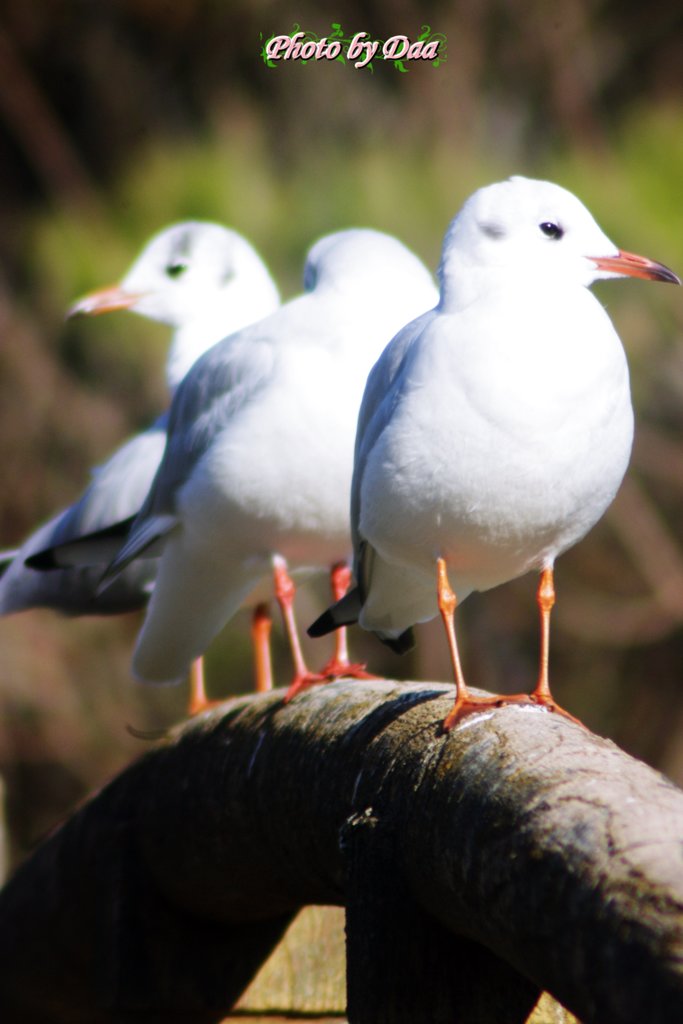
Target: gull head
(366,264)
(186,272)
(534,230)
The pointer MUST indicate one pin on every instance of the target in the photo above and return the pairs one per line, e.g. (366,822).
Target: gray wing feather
(116,492)
(6,559)
(218,386)
(382,392)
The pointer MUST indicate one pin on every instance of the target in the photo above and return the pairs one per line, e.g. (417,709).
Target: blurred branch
(658,558)
(658,455)
(161,897)
(651,545)
(614,621)
(38,132)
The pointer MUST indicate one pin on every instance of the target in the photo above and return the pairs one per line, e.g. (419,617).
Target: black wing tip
(323,625)
(344,613)
(400,644)
(42,560)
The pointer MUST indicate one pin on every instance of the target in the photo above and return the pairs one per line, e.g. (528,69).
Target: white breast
(504,448)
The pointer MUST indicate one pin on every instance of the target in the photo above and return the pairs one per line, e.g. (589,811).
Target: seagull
(202,279)
(205,281)
(494,430)
(256,475)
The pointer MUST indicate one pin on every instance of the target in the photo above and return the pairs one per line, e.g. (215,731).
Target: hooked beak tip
(627,264)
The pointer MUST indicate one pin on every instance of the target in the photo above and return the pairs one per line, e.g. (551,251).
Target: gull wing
(220,384)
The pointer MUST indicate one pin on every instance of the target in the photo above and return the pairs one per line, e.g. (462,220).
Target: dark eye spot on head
(174,270)
(310,277)
(551,230)
(495,231)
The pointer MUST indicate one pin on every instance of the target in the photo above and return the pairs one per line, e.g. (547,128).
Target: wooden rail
(517,853)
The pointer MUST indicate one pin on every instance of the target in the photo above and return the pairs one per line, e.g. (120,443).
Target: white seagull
(205,281)
(495,430)
(257,469)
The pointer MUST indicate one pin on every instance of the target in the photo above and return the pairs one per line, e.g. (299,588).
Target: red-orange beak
(630,265)
(104,300)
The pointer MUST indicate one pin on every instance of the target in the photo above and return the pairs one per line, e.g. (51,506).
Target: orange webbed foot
(303,681)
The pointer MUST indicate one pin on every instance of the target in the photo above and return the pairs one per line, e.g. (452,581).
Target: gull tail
(344,613)
(399,644)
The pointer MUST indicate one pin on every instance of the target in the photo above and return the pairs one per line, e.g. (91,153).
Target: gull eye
(551,230)
(174,270)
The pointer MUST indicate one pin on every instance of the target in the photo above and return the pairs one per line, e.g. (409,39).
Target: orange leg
(545,598)
(260,633)
(261,623)
(284,594)
(465,703)
(198,701)
(339,665)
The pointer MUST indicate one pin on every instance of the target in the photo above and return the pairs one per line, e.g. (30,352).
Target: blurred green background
(117,118)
